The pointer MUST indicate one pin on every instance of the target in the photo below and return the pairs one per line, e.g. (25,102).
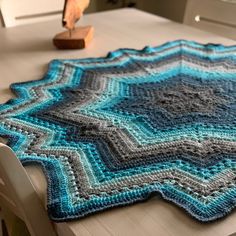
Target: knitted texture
(112,131)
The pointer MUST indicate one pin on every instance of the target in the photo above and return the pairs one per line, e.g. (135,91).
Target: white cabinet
(16,12)
(217,16)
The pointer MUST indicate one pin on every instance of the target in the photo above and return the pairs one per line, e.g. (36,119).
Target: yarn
(113,131)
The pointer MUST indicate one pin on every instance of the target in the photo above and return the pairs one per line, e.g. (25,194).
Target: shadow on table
(36,45)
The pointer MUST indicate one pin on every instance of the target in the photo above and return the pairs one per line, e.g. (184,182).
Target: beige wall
(92,6)
(172,9)
(103,5)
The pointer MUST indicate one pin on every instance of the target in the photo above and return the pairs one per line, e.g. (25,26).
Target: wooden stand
(79,38)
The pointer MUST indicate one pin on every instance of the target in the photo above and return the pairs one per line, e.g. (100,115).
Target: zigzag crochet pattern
(113,131)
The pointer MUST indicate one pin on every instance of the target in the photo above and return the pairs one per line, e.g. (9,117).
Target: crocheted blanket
(113,131)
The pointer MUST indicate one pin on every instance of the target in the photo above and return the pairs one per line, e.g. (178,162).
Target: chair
(28,11)
(18,197)
(216,16)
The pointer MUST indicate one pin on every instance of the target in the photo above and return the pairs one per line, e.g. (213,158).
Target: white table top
(24,55)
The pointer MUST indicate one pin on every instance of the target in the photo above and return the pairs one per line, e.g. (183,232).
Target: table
(24,55)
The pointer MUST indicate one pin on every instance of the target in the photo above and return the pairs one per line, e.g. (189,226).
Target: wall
(103,5)
(171,9)
(92,6)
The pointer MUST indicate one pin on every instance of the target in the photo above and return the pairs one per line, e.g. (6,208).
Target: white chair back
(17,194)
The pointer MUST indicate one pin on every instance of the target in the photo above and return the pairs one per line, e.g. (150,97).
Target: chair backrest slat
(6,201)
(18,194)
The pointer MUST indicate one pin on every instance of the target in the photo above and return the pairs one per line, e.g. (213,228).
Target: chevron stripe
(113,131)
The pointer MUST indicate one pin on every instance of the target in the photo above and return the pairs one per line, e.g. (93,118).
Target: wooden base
(79,38)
